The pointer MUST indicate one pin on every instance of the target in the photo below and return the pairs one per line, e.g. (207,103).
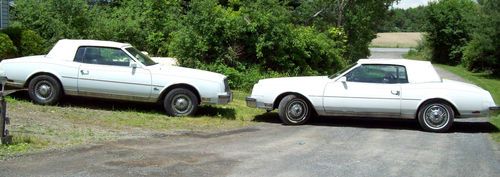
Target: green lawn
(492,84)
(36,127)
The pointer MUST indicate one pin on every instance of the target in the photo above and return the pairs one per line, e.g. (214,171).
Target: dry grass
(397,40)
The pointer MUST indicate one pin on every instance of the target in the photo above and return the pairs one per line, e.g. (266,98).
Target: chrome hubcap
(297,111)
(436,116)
(181,104)
(43,90)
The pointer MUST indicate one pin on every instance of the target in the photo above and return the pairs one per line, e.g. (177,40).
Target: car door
(107,72)
(368,90)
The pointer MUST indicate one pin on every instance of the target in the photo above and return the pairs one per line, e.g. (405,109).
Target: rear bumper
(225,99)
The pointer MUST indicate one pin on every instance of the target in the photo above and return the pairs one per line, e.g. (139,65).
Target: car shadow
(459,126)
(116,105)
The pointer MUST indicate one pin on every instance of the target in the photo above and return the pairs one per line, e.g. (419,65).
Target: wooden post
(5,138)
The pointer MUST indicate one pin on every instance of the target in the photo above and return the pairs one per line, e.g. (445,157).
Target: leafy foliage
(483,51)
(7,48)
(449,29)
(26,42)
(299,37)
(404,20)
(31,44)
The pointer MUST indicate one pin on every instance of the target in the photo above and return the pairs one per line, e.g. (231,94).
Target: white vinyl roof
(418,71)
(65,49)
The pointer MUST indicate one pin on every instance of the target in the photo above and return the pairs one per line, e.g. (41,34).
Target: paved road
(326,147)
(388,52)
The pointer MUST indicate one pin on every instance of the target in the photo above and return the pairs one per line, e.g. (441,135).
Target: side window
(103,56)
(378,74)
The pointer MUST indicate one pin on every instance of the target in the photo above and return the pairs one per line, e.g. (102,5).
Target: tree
(483,51)
(449,28)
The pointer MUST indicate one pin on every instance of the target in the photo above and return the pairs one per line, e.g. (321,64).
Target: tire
(294,110)
(44,90)
(180,102)
(436,117)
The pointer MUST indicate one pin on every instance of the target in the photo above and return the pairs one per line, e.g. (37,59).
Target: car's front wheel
(436,117)
(44,90)
(180,102)
(294,110)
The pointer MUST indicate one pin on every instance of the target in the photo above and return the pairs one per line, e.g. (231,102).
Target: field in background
(397,40)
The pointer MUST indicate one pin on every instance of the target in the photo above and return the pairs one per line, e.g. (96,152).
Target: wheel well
(283,95)
(186,86)
(26,84)
(455,110)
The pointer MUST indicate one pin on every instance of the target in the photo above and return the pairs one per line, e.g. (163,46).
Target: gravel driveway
(326,147)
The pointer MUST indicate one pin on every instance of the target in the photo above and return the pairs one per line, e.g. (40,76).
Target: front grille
(226,85)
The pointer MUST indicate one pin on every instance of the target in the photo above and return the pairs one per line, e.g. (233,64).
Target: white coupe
(113,70)
(388,88)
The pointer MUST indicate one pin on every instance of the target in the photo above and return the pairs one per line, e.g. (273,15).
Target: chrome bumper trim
(225,99)
(251,102)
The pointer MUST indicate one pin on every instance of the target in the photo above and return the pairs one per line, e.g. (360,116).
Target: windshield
(144,59)
(342,71)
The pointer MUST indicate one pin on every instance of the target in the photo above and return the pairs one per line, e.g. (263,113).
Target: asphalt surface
(325,147)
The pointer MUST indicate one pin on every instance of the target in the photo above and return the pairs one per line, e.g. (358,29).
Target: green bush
(14,33)
(7,48)
(31,44)
(483,51)
(242,78)
(449,26)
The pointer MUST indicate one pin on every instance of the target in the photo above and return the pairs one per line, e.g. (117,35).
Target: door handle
(395,92)
(84,72)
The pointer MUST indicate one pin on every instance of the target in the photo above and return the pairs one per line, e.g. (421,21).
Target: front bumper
(254,103)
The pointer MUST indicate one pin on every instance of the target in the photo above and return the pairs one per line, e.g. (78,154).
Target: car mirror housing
(133,64)
(342,79)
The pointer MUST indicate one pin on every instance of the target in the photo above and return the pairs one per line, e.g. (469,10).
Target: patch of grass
(415,55)
(487,82)
(21,144)
(91,121)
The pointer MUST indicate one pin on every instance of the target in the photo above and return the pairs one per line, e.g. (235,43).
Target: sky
(404,4)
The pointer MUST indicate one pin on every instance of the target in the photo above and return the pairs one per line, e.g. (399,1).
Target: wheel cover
(436,116)
(43,90)
(181,104)
(297,111)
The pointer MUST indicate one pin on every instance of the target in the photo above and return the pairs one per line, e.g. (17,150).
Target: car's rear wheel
(45,90)
(294,110)
(180,102)
(436,117)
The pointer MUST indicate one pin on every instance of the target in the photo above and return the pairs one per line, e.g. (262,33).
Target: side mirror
(133,64)
(145,53)
(342,79)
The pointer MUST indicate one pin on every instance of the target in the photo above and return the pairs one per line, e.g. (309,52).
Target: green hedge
(7,48)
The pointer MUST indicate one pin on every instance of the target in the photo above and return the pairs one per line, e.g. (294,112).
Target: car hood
(303,81)
(186,72)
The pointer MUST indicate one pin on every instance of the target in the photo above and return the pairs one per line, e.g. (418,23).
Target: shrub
(14,33)
(7,48)
(31,44)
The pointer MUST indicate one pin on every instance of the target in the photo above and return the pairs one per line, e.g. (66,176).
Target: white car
(113,70)
(388,88)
